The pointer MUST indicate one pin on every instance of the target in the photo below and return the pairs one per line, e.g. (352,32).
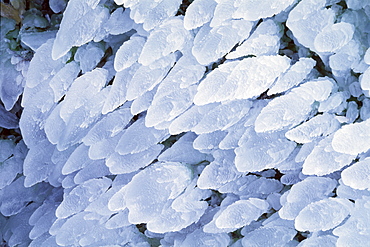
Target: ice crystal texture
(185,123)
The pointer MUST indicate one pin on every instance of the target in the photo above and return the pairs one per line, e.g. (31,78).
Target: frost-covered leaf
(253,10)
(89,56)
(358,175)
(352,138)
(167,38)
(210,44)
(320,125)
(147,77)
(128,53)
(120,164)
(257,152)
(325,240)
(80,23)
(63,79)
(223,116)
(38,165)
(189,118)
(324,159)
(241,213)
(183,151)
(200,238)
(7,119)
(323,215)
(308,19)
(269,236)
(138,137)
(119,22)
(219,172)
(147,193)
(210,88)
(293,76)
(301,194)
(80,197)
(118,91)
(198,13)
(293,108)
(365,79)
(267,33)
(334,37)
(355,231)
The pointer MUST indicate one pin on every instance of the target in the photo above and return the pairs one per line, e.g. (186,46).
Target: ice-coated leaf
(15,197)
(219,172)
(145,196)
(200,238)
(169,37)
(257,152)
(81,21)
(324,159)
(322,241)
(323,215)
(37,164)
(128,53)
(183,151)
(308,19)
(63,79)
(120,164)
(253,76)
(81,120)
(293,76)
(138,137)
(118,91)
(223,12)
(357,176)
(334,37)
(251,186)
(143,102)
(119,22)
(355,231)
(210,44)
(209,141)
(81,91)
(267,33)
(301,194)
(241,213)
(183,211)
(352,138)
(7,119)
(176,92)
(109,126)
(147,77)
(365,79)
(320,125)
(89,56)
(198,13)
(160,13)
(210,89)
(269,236)
(81,232)
(78,159)
(291,109)
(189,118)
(223,116)
(80,197)
(253,10)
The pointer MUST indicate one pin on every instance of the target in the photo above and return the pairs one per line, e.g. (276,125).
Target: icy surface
(358,175)
(81,21)
(352,138)
(323,215)
(185,123)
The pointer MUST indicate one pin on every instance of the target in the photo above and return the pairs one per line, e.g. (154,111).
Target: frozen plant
(185,123)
